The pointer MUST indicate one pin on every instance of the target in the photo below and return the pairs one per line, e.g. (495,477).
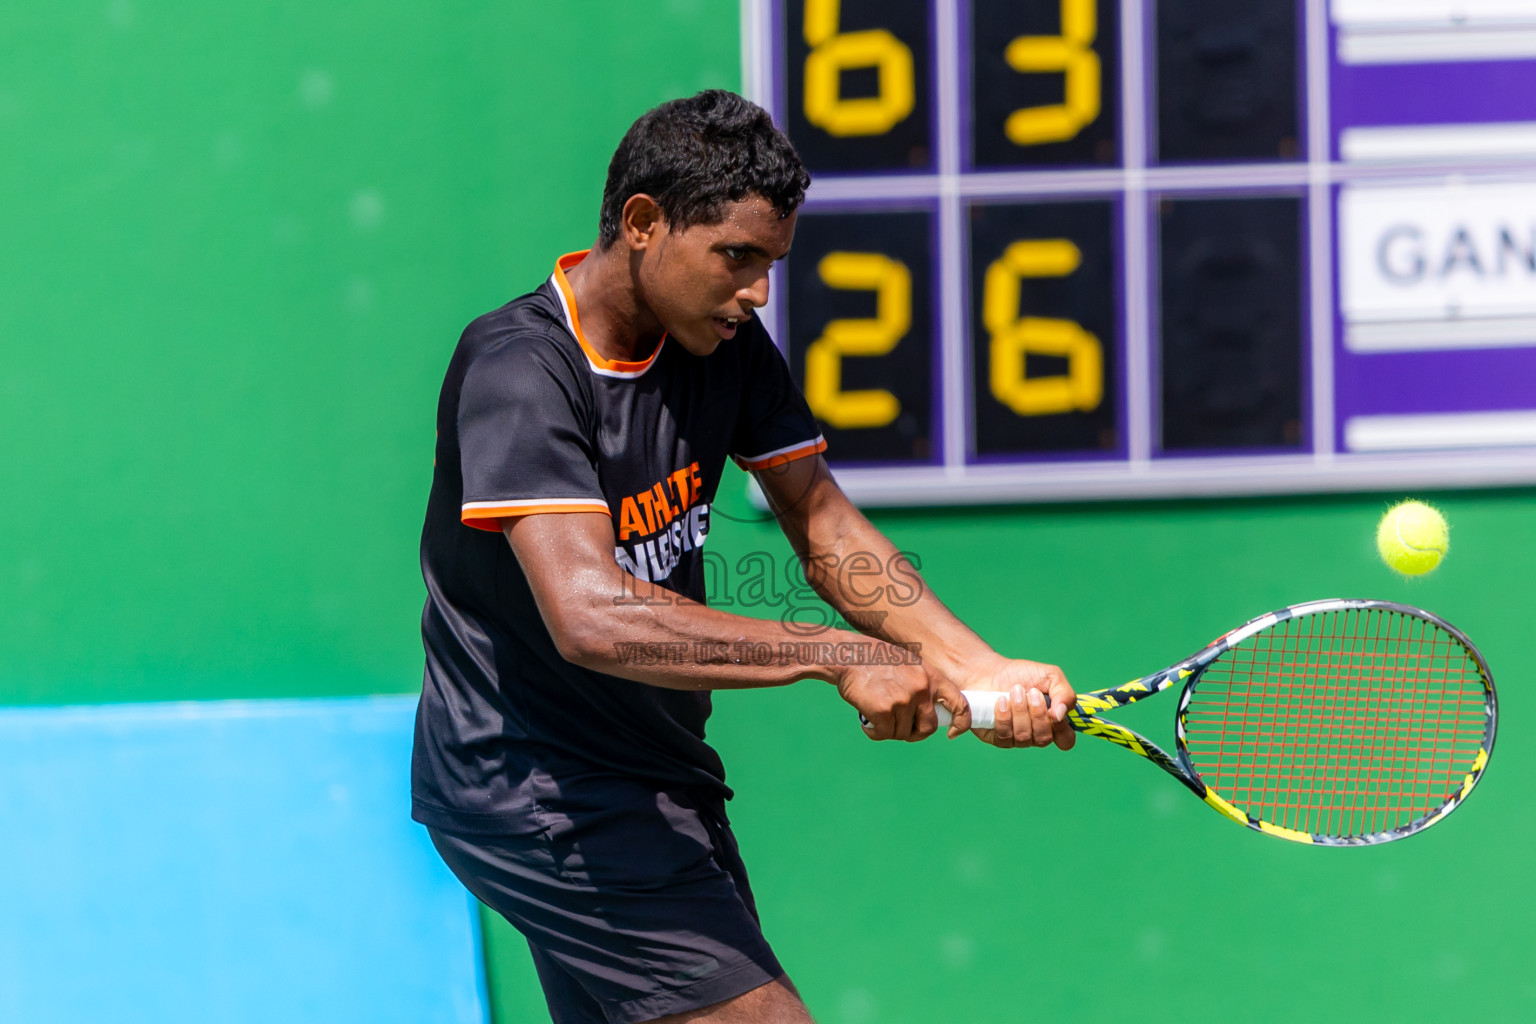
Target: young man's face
(702,283)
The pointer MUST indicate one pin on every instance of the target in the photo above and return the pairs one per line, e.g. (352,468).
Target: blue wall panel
(238,861)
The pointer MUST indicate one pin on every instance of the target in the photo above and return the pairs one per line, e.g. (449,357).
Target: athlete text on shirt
(659,524)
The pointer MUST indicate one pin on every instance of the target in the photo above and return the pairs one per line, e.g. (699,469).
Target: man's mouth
(726,325)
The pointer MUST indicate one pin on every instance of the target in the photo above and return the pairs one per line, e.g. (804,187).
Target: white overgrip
(983,709)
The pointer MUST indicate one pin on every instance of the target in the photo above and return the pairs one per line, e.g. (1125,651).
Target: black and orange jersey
(532,420)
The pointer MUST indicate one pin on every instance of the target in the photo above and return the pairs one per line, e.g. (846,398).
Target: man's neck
(612,319)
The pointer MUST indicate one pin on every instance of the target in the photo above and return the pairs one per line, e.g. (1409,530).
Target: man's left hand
(1033,710)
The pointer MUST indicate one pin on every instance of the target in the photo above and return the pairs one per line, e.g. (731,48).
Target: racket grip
(983,709)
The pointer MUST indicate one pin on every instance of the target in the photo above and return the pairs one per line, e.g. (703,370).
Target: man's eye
(736,254)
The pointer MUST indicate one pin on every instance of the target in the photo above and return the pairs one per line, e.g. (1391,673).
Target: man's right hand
(896,700)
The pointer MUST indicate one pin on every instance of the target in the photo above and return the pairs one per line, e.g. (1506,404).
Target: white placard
(1442,143)
(1448,13)
(1432,31)
(1447,252)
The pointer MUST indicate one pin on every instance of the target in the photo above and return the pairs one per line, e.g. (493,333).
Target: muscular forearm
(605,619)
(652,635)
(877,589)
(861,574)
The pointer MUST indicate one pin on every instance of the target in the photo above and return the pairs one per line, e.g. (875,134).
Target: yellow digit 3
(1070,54)
(1015,337)
(891,282)
(832,53)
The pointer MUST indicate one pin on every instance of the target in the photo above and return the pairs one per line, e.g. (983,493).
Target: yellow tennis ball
(1412,538)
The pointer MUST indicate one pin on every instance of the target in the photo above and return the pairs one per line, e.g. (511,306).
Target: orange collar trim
(606,367)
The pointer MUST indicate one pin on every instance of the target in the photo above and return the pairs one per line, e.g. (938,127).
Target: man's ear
(640,221)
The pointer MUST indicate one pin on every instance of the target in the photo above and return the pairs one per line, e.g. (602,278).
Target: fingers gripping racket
(1340,723)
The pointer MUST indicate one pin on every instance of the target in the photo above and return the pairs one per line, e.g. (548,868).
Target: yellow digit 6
(1014,337)
(892,284)
(832,53)
(1069,54)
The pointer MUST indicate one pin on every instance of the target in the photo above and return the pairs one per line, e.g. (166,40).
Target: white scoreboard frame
(1421,452)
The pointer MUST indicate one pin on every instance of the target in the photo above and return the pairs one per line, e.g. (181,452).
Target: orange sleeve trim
(487,515)
(783,455)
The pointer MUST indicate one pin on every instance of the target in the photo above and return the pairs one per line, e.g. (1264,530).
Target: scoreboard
(1072,249)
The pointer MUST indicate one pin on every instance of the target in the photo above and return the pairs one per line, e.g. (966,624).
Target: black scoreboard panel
(1044,327)
(1044,83)
(864,100)
(1230,353)
(1093,248)
(1227,86)
(864,307)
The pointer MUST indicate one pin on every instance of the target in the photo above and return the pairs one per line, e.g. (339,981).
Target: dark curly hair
(694,155)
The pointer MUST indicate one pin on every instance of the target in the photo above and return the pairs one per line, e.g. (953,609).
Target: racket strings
(1346,722)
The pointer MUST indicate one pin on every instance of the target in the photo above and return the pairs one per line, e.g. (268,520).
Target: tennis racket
(1339,723)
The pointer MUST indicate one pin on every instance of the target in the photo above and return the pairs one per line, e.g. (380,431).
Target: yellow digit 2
(1015,337)
(832,53)
(892,284)
(1069,54)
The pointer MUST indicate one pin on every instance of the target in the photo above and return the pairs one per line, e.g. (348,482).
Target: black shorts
(634,902)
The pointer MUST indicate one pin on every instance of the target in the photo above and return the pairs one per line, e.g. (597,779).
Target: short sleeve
(774,425)
(523,446)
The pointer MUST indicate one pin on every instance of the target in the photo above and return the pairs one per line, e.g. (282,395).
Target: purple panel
(1465,380)
(1427,94)
(1459,380)
(1393,94)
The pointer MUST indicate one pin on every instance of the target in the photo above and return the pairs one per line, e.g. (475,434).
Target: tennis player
(560,762)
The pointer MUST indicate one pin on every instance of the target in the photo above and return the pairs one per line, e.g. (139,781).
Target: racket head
(1339,722)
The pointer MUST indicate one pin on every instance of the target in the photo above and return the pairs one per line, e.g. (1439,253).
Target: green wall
(237,243)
